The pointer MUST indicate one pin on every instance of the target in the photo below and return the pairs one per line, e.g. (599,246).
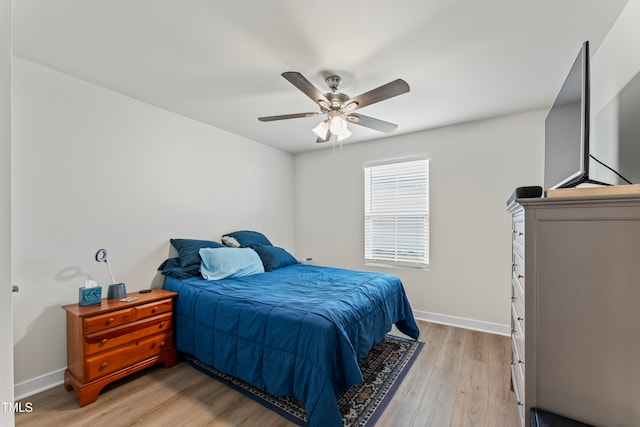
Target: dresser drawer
(124,356)
(517,299)
(517,379)
(518,268)
(517,334)
(518,228)
(518,365)
(109,320)
(110,338)
(151,309)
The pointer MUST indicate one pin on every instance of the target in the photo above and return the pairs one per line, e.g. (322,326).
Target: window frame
(399,247)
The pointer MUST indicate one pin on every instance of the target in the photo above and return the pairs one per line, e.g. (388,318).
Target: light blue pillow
(223,263)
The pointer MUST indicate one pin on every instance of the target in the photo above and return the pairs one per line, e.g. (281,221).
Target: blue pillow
(274,257)
(188,250)
(223,263)
(245,239)
(172,267)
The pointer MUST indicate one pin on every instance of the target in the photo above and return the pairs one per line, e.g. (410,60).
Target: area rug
(383,369)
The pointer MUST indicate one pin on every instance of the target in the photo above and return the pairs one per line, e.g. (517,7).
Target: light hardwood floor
(461,378)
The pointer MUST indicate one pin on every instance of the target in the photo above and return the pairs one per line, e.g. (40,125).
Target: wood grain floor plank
(452,353)
(397,414)
(436,408)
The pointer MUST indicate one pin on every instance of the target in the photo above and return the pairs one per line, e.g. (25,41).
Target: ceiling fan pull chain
(333,147)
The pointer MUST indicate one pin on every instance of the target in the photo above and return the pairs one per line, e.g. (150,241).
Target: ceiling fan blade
(370,122)
(391,89)
(287,116)
(299,81)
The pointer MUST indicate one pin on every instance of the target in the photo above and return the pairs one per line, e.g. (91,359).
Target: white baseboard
(56,378)
(462,322)
(38,384)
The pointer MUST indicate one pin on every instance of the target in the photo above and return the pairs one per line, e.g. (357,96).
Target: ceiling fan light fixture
(336,124)
(322,130)
(338,127)
(344,134)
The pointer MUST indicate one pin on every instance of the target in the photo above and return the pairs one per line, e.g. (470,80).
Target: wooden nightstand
(114,339)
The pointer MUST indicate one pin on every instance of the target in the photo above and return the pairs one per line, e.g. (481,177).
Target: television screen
(566,149)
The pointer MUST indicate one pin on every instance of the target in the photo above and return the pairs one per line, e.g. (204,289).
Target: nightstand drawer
(110,338)
(151,309)
(127,355)
(109,320)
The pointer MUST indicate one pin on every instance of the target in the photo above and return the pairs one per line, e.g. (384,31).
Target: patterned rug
(383,369)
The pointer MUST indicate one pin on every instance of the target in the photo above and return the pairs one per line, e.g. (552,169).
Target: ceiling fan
(340,108)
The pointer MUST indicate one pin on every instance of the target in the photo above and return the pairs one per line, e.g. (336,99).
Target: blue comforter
(295,331)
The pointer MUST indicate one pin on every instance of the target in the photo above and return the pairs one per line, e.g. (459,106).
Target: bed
(294,330)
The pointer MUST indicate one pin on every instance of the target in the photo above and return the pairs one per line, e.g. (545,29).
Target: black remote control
(145,291)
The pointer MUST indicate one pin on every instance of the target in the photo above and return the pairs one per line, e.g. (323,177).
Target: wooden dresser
(576,320)
(114,339)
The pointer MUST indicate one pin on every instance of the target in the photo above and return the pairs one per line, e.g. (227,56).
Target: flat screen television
(566,147)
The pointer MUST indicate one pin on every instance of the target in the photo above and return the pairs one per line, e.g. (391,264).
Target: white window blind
(396,213)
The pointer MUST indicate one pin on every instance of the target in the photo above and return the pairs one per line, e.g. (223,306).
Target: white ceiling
(220,62)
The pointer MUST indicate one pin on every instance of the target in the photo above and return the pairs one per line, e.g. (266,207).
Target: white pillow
(223,263)
(230,241)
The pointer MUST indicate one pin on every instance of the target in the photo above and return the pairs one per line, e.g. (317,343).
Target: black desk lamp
(116,290)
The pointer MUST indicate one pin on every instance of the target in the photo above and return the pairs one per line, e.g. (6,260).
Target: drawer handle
(154,309)
(162,344)
(161,325)
(110,320)
(520,318)
(520,403)
(104,341)
(103,365)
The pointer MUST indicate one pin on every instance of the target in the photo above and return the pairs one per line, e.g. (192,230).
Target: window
(396,213)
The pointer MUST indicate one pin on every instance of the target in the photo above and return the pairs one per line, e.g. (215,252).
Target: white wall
(615,98)
(6,316)
(474,168)
(93,168)
(617,60)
